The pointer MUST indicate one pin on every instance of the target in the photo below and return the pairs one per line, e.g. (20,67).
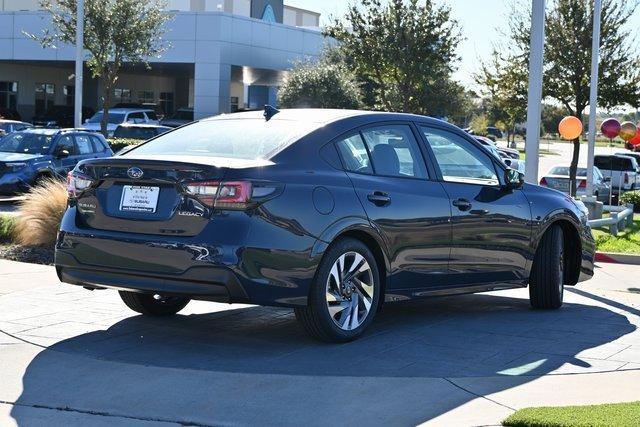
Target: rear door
(411,211)
(491,226)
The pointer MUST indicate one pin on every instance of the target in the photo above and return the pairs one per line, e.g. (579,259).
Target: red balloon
(610,128)
(635,141)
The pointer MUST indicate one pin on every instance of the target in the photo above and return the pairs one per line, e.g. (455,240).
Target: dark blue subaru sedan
(28,156)
(329,212)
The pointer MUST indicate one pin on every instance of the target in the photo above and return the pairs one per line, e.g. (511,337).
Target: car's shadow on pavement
(256,365)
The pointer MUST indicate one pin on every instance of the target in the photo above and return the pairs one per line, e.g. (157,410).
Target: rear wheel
(153,304)
(344,295)
(546,284)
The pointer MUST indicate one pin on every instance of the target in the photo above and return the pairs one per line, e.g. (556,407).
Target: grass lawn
(627,241)
(620,415)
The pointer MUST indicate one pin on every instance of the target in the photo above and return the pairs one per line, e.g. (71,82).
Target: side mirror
(61,154)
(86,121)
(607,179)
(513,179)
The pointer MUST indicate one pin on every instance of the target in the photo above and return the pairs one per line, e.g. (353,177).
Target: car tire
(344,295)
(153,304)
(546,283)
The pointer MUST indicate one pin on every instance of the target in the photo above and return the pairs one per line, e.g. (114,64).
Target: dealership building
(223,55)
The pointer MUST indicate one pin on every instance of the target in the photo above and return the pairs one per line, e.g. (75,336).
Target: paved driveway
(75,357)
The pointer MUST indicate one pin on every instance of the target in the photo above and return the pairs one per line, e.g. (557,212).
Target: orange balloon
(628,131)
(570,128)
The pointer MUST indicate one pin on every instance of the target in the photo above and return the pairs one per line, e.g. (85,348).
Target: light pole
(77,116)
(534,100)
(593,95)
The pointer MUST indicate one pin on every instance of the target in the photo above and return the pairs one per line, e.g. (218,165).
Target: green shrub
(631,197)
(7,223)
(118,144)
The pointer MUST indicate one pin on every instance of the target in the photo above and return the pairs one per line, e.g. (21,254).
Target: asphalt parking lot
(75,357)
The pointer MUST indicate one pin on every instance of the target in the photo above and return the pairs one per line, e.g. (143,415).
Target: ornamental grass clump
(40,214)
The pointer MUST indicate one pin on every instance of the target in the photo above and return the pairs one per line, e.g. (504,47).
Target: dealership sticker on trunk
(139,198)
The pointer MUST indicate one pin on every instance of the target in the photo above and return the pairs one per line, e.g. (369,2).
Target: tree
(479,125)
(505,84)
(568,56)
(115,32)
(403,52)
(320,84)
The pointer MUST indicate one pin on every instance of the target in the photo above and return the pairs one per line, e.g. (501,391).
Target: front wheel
(153,304)
(344,294)
(546,284)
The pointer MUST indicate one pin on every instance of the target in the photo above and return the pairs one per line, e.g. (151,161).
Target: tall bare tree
(115,32)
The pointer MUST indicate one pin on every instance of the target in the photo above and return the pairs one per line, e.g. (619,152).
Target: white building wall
(213,42)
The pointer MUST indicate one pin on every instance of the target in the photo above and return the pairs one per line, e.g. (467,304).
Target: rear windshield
(114,118)
(135,132)
(564,170)
(248,139)
(613,163)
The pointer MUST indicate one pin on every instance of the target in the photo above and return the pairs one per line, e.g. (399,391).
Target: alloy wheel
(350,290)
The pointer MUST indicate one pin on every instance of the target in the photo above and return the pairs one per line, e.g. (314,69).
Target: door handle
(379,198)
(462,204)
(479,212)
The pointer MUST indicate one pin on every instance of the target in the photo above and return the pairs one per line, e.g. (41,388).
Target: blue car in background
(31,155)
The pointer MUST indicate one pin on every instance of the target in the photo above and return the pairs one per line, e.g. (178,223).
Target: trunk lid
(146,195)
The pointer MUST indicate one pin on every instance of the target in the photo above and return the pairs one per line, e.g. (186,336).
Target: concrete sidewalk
(74,357)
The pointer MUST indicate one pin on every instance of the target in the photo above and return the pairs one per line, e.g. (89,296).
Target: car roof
(143,125)
(56,131)
(324,115)
(128,110)
(13,121)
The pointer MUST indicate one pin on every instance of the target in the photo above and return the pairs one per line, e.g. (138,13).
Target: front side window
(66,143)
(394,151)
(459,160)
(354,154)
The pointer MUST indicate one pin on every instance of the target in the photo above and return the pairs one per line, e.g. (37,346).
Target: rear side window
(84,144)
(394,151)
(614,163)
(97,142)
(354,154)
(151,115)
(249,139)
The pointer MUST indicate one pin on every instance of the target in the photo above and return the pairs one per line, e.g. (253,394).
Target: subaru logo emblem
(135,173)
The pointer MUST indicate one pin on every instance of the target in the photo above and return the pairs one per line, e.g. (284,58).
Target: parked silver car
(558,179)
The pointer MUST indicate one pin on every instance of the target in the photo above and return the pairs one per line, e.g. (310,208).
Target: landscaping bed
(626,242)
(620,414)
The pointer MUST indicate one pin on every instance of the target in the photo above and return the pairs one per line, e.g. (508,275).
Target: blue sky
(479,20)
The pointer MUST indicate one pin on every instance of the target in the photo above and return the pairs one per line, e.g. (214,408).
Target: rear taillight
(583,184)
(235,195)
(77,183)
(543,182)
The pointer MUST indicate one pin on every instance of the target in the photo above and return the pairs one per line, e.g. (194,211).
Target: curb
(614,258)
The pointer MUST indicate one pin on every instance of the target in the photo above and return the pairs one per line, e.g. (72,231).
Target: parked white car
(118,116)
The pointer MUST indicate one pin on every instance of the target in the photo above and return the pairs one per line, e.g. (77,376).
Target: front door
(410,211)
(63,163)
(491,225)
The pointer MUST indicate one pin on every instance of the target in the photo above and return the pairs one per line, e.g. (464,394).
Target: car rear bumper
(221,286)
(238,266)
